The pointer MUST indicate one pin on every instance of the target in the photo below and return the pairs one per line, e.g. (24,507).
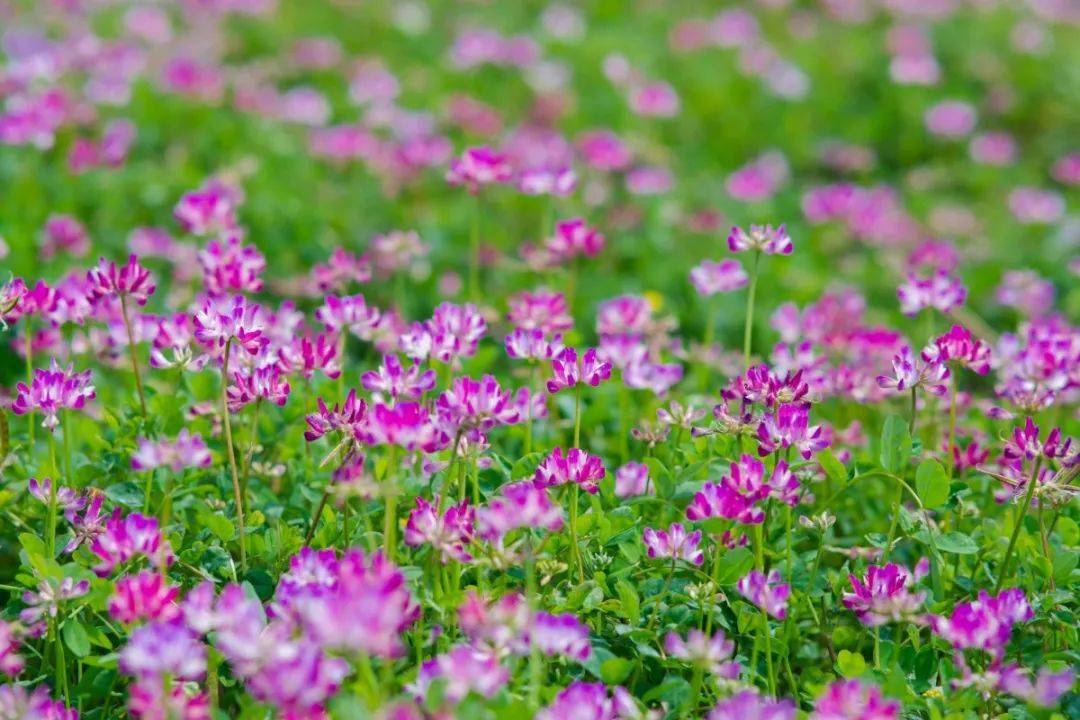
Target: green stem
(29,352)
(575,550)
(577,415)
(231,452)
(131,354)
(474,253)
(748,327)
(1046,546)
(535,660)
(1017,524)
(952,427)
(390,520)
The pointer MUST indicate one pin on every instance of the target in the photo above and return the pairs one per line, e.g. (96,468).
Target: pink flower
(568,371)
(475,405)
(221,320)
(518,505)
(767,592)
(911,372)
(759,179)
(993,148)
(574,238)
(524,344)
(854,700)
(164,648)
(883,595)
(51,391)
(305,355)
(675,543)
(747,704)
(64,234)
(176,335)
(463,671)
(604,150)
(350,313)
(350,417)
(542,310)
(230,266)
(11,298)
(394,381)
(479,166)
(760,238)
(1026,445)
(960,346)
(631,479)
(126,538)
(266,383)
(406,425)
(561,635)
(68,501)
(984,624)
(143,597)
(739,492)
(152,700)
(576,466)
(940,291)
(591,701)
(500,627)
(342,269)
(17,702)
(208,211)
(657,99)
(188,450)
(712,654)
(710,277)
(130,281)
(11,663)
(455,331)
(46,601)
(1046,691)
(1027,291)
(950,119)
(448,533)
(557,182)
(789,426)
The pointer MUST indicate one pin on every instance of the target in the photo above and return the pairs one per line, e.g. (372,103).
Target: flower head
(568,371)
(674,543)
(710,278)
(129,281)
(760,238)
(574,466)
(884,595)
(52,391)
(854,700)
(765,591)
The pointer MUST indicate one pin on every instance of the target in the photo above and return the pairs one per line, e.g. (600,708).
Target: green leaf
(833,468)
(630,602)
(75,638)
(734,564)
(956,543)
(850,664)
(614,670)
(932,484)
(219,525)
(895,444)
(126,493)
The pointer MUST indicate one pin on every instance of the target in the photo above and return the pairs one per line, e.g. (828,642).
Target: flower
(305,355)
(985,623)
(910,373)
(1048,688)
(765,591)
(561,635)
(960,346)
(518,505)
(18,704)
(50,594)
(522,344)
(747,704)
(153,700)
(709,277)
(223,319)
(567,371)
(940,291)
(499,627)
(883,595)
(1025,444)
(631,479)
(125,538)
(207,211)
(407,425)
(186,451)
(479,166)
(349,417)
(675,543)
(448,533)
(542,310)
(590,700)
(145,596)
(160,649)
(574,238)
(712,654)
(67,499)
(455,331)
(760,238)
(176,333)
(393,380)
(739,492)
(11,663)
(475,405)
(854,700)
(575,466)
(789,426)
(349,313)
(463,670)
(52,391)
(266,383)
(130,281)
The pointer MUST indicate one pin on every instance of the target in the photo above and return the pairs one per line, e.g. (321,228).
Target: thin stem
(575,550)
(474,253)
(748,327)
(318,514)
(1017,524)
(131,353)
(390,521)
(952,427)
(716,585)
(1046,546)
(29,352)
(237,494)
(577,415)
(911,419)
(535,660)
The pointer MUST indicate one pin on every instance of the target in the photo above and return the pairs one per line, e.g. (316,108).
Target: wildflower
(631,479)
(710,278)
(17,703)
(448,534)
(397,250)
(575,466)
(574,238)
(391,379)
(854,700)
(145,596)
(130,281)
(884,595)
(187,450)
(64,234)
(221,320)
(207,211)
(305,355)
(349,416)
(463,670)
(11,298)
(45,602)
(1025,444)
(765,591)
(940,291)
(712,654)
(349,313)
(985,623)
(52,391)
(748,704)
(958,345)
(568,371)
(125,538)
(407,425)
(1048,688)
(455,331)
(561,635)
(789,427)
(164,649)
(1034,206)
(950,119)
(518,505)
(89,526)
(342,268)
(675,543)
(542,310)
(175,334)
(153,699)
(475,405)
(499,627)
(590,700)
(11,663)
(477,167)
(557,182)
(1026,291)
(67,499)
(522,344)
(910,373)
(266,383)
(760,238)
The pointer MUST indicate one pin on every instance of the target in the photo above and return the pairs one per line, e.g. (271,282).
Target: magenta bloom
(230,266)
(406,425)
(950,119)
(522,344)
(1026,445)
(150,699)
(739,492)
(561,635)
(342,269)
(960,346)
(51,391)
(574,238)
(568,371)
(11,663)
(143,597)
(17,702)
(500,626)
(394,381)
(748,704)
(712,654)
(305,355)
(854,700)
(448,534)
(207,211)
(187,450)
(350,313)
(68,501)
(631,479)
(475,405)
(884,595)
(519,505)
(463,670)
(45,602)
(710,278)
(542,310)
(455,331)
(126,538)
(172,345)
(1046,691)
(941,291)
(576,466)
(265,383)
(760,238)
(767,592)
(223,319)
(479,166)
(164,649)
(1026,291)
(984,624)
(911,372)
(789,426)
(675,543)
(590,700)
(130,281)
(656,99)
(349,416)
(63,234)
(11,299)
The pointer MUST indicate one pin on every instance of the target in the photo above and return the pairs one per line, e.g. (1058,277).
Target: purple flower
(186,451)
(16,702)
(542,310)
(265,383)
(960,346)
(567,371)
(789,427)
(463,670)
(125,538)
(475,405)
(161,649)
(142,597)
(1026,445)
(479,166)
(406,425)
(748,704)
(854,700)
(884,595)
(522,344)
(574,238)
(176,334)
(575,466)
(394,381)
(153,699)
(226,318)
(51,391)
(675,543)
(767,592)
(760,238)
(518,505)
(67,499)
(712,654)
(500,627)
(455,331)
(348,417)
(591,701)
(709,277)
(985,623)
(941,291)
(631,479)
(1027,291)
(448,533)
(350,313)
(561,635)
(910,372)
(950,119)
(207,211)
(130,281)
(45,602)
(305,355)
(1048,688)
(11,663)
(1035,206)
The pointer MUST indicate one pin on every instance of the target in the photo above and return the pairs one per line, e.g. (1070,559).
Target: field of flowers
(612,360)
